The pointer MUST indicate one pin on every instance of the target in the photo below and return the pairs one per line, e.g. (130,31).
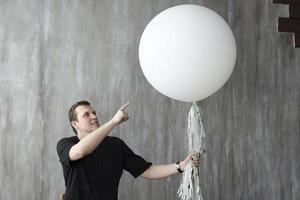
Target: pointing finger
(125,106)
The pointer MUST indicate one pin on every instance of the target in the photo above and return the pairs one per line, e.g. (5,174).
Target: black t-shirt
(97,175)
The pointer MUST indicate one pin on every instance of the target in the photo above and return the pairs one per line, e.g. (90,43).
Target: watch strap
(178,167)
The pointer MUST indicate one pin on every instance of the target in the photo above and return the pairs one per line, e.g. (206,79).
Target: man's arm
(159,171)
(89,143)
(163,171)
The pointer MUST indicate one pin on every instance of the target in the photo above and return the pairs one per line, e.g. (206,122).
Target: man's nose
(93,116)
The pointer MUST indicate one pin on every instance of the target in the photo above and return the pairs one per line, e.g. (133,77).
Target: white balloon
(187,52)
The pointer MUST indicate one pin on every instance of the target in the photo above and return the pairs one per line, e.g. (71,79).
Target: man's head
(83,117)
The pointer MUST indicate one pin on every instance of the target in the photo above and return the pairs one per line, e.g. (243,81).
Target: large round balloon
(187,52)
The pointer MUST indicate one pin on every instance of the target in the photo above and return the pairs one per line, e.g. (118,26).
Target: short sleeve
(133,163)
(63,148)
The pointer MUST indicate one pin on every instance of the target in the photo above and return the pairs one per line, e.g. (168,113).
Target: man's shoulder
(72,139)
(66,143)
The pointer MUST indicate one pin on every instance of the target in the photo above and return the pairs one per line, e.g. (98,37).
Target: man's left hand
(195,158)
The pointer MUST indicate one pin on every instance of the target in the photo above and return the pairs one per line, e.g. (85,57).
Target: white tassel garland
(189,188)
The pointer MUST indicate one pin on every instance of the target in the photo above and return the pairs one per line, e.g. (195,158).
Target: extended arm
(159,171)
(163,171)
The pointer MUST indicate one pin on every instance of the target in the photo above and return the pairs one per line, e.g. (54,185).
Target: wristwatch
(178,167)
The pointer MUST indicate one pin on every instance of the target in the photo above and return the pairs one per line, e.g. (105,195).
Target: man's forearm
(89,143)
(160,171)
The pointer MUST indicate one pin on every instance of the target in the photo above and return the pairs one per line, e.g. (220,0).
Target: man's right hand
(121,115)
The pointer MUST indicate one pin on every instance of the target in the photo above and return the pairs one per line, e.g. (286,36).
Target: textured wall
(55,52)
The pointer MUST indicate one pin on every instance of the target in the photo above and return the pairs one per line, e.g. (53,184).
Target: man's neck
(81,135)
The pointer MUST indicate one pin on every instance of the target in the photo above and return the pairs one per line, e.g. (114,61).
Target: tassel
(189,188)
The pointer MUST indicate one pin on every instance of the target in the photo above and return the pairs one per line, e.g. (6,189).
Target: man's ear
(74,124)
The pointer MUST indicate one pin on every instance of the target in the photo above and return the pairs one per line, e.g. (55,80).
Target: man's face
(86,119)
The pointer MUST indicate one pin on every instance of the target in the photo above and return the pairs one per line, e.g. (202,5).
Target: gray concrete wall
(55,52)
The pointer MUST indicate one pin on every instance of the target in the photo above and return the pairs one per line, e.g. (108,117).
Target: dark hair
(73,114)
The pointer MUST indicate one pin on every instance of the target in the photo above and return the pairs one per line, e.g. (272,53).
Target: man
(93,162)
